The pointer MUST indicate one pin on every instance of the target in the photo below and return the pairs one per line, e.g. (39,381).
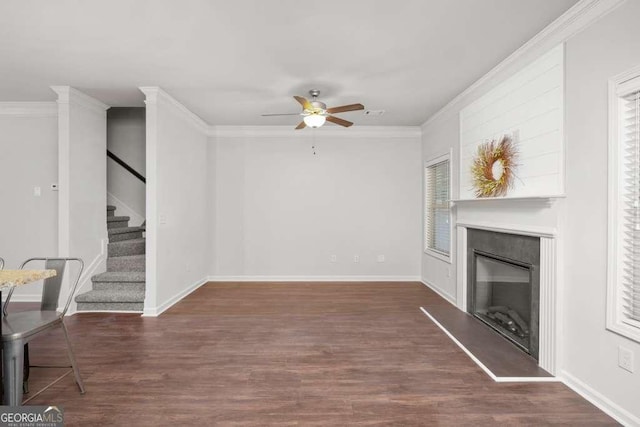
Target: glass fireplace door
(502,297)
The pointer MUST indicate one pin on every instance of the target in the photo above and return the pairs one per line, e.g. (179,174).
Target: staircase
(121,287)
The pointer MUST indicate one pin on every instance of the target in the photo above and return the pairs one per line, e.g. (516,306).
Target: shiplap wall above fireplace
(528,106)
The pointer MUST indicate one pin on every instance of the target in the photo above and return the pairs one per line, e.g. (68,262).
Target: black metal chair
(21,327)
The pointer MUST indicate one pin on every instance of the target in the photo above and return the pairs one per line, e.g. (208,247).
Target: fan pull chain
(313,144)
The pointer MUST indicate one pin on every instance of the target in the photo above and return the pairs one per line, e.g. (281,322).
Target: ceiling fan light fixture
(314,120)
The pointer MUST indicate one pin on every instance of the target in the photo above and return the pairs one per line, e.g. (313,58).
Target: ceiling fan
(315,113)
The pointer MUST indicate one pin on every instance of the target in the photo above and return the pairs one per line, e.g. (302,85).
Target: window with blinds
(437,227)
(623,306)
(630,134)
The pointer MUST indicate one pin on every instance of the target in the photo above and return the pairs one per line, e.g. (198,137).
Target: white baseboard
(621,415)
(156,311)
(313,278)
(440,292)
(122,209)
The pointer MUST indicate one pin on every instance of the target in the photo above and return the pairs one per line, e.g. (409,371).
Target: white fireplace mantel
(523,230)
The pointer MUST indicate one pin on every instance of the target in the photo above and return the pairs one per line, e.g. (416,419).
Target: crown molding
(69,95)
(577,18)
(155,94)
(330,131)
(29,109)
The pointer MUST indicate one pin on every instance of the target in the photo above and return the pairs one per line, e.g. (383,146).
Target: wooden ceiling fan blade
(339,121)
(303,101)
(280,114)
(345,108)
(302,125)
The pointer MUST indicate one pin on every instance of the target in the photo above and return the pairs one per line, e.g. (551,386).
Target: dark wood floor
(291,354)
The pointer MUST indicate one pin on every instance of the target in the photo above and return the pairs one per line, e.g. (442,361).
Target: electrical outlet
(356,258)
(625,359)
(380,258)
(162,219)
(334,258)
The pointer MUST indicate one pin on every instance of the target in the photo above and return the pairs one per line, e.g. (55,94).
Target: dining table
(10,279)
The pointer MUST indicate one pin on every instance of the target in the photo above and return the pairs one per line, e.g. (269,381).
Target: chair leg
(25,369)
(12,372)
(72,358)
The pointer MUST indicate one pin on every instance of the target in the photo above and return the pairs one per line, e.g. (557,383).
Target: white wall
(178,224)
(282,212)
(607,48)
(28,159)
(126,139)
(82,166)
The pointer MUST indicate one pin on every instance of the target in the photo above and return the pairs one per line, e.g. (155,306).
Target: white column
(151,233)
(548,305)
(461,266)
(82,182)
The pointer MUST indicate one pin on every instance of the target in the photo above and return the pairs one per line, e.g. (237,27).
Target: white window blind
(437,212)
(623,281)
(630,239)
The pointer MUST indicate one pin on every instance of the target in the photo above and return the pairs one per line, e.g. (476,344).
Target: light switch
(37,191)
(162,219)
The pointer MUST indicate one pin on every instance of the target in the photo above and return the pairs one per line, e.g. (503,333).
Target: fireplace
(503,288)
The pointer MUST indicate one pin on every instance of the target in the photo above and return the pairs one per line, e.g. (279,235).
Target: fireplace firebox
(504,285)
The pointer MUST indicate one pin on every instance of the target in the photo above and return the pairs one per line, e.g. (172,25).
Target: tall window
(437,227)
(623,296)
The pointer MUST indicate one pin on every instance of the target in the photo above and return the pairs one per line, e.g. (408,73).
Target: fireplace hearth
(504,285)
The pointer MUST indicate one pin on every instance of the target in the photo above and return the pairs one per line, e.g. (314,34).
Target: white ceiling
(229,61)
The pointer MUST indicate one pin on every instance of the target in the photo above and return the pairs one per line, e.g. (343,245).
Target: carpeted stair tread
(111,296)
(118,218)
(124,233)
(119,281)
(127,247)
(126,263)
(124,230)
(111,208)
(120,276)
